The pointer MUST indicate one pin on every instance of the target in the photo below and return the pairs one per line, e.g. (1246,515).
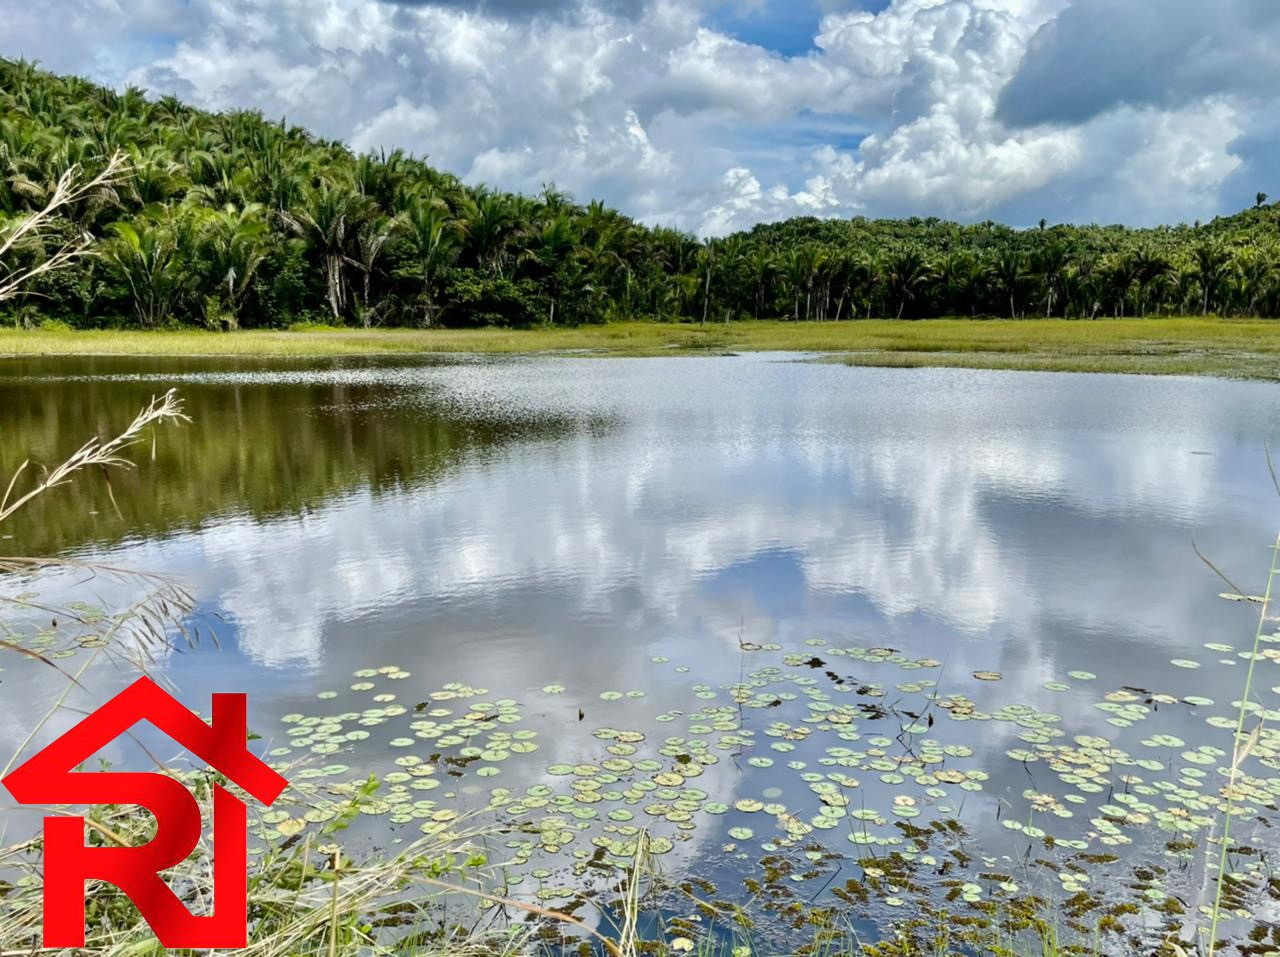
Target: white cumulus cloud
(1133,110)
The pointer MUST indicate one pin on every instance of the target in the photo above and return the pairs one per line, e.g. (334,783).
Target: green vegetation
(230,221)
(1180,346)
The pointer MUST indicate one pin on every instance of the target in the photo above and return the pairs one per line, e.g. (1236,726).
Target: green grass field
(1183,346)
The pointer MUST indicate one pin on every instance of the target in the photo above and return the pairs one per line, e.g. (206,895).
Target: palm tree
(762,266)
(278,184)
(233,243)
(1120,274)
(157,176)
(553,244)
(1051,265)
(555,201)
(802,267)
(435,237)
(1150,268)
(263,216)
(27,177)
(329,220)
(1008,274)
(852,274)
(372,237)
(1255,274)
(706,263)
(1210,263)
(39,227)
(905,272)
(796,270)
(492,223)
(959,275)
(1075,290)
(144,254)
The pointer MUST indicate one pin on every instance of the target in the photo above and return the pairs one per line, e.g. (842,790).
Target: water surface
(517,525)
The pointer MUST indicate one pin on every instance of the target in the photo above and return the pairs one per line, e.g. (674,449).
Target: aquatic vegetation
(797,761)
(1156,346)
(822,778)
(798,791)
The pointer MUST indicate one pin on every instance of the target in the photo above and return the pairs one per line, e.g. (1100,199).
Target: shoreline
(1228,348)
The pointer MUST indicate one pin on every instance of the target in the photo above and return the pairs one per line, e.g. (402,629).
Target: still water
(915,594)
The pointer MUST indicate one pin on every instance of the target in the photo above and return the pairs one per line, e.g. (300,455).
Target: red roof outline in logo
(223,746)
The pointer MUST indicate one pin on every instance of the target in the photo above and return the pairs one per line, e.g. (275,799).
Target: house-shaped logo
(51,777)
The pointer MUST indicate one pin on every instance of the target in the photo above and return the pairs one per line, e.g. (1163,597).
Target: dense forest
(230,220)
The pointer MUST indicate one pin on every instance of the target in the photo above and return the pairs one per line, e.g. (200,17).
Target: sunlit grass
(1169,346)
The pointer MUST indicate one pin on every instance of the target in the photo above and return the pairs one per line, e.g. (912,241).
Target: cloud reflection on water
(1030,524)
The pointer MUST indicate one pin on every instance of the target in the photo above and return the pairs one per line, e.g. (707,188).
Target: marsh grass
(1175,346)
(38,229)
(1243,745)
(306,897)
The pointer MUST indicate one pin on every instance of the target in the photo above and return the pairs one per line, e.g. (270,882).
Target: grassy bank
(1184,346)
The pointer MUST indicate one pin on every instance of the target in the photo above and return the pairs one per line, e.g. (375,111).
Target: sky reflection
(1029,524)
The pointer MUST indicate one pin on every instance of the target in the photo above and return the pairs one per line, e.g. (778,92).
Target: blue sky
(713,115)
(786,28)
(783,26)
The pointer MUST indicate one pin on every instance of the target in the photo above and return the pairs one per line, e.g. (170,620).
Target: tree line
(230,220)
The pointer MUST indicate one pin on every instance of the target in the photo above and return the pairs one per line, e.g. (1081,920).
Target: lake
(758,604)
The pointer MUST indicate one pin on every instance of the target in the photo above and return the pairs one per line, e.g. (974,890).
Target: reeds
(148,621)
(34,228)
(306,899)
(1243,744)
(94,453)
